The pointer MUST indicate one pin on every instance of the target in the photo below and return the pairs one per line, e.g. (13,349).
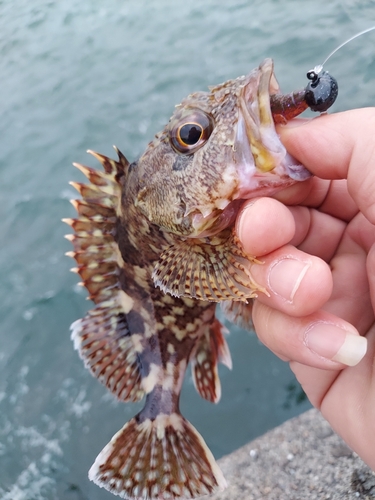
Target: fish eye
(191,132)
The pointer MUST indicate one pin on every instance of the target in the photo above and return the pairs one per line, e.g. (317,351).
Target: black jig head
(321,91)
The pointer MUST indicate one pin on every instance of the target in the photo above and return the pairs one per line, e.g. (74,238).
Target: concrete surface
(301,459)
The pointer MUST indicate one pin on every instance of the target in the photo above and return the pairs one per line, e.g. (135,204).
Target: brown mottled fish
(150,238)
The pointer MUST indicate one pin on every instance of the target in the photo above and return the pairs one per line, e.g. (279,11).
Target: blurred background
(89,74)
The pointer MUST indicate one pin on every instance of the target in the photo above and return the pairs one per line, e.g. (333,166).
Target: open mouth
(263,164)
(260,161)
(217,221)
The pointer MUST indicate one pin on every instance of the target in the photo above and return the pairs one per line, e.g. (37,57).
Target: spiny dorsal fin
(112,166)
(102,337)
(95,250)
(214,271)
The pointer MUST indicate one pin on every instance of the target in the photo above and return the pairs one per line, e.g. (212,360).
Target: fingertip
(307,143)
(258,220)
(298,283)
(297,193)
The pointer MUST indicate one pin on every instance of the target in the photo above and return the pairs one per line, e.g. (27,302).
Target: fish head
(218,149)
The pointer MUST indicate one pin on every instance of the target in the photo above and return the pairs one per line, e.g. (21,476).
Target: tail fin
(159,459)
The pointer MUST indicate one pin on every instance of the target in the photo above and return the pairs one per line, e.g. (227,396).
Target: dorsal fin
(102,337)
(94,248)
(110,166)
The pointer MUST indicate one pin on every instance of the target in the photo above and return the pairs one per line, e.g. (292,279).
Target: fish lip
(262,162)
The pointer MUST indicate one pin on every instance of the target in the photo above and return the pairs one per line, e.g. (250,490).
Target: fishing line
(317,69)
(322,89)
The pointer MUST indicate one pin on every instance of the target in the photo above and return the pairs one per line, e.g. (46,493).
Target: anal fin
(164,458)
(211,349)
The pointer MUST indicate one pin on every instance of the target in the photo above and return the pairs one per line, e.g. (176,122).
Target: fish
(155,247)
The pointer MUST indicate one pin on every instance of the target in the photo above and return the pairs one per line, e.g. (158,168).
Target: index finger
(338,146)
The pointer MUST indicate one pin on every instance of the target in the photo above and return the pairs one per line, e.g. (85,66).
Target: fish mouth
(216,221)
(261,163)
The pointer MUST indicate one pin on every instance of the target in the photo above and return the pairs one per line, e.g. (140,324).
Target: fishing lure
(318,95)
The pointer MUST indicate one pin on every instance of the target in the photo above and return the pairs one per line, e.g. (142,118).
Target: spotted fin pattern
(211,349)
(102,337)
(104,343)
(239,313)
(212,272)
(159,459)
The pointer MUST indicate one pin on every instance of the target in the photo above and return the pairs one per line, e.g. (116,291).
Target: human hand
(317,242)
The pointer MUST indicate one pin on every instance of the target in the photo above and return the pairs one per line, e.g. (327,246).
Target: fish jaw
(261,161)
(260,164)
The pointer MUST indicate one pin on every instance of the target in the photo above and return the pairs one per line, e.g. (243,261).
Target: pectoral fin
(212,270)
(239,313)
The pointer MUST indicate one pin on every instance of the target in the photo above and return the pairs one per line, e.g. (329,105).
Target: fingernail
(285,277)
(329,341)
